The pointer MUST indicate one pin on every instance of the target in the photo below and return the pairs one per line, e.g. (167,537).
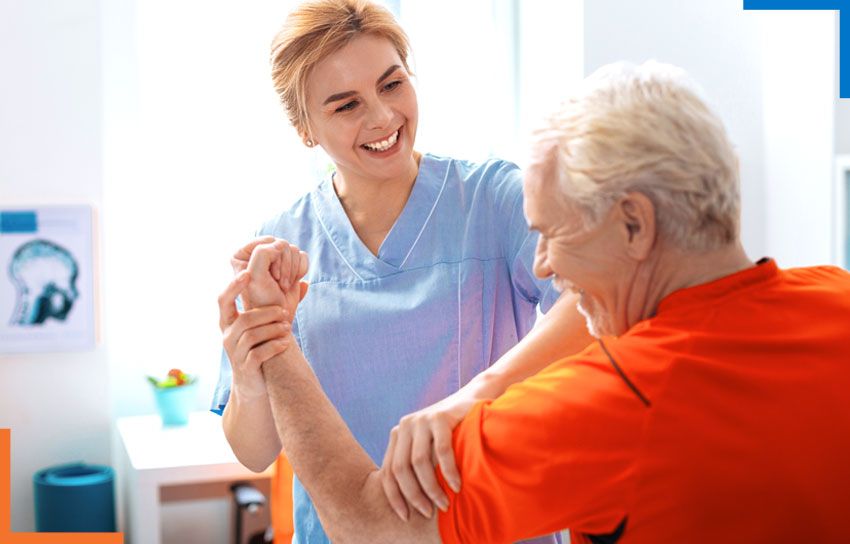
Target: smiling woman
(420,265)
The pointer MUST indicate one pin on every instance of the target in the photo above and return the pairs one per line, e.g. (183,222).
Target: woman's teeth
(384,145)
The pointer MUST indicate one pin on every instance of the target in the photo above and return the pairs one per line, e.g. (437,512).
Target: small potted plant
(174,396)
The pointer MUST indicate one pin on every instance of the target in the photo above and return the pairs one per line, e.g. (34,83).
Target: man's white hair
(645,129)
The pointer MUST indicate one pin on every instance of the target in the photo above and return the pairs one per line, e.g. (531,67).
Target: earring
(309,143)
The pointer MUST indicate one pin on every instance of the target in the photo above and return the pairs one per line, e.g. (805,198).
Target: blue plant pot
(175,403)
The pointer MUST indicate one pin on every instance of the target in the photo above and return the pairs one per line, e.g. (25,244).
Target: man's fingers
(228,313)
(446,455)
(263,256)
(420,458)
(240,259)
(303,264)
(284,275)
(303,286)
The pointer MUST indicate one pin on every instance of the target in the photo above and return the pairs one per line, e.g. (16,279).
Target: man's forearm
(561,332)
(335,470)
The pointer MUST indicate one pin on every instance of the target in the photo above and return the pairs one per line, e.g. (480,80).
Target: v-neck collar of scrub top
(400,241)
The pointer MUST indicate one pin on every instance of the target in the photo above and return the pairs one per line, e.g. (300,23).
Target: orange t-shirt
(725,417)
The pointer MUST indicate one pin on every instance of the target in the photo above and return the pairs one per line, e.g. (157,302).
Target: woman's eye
(348,106)
(392,85)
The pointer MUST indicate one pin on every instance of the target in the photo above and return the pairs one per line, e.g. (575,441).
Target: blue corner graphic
(843,37)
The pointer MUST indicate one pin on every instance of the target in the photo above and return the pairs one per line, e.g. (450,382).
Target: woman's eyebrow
(347,94)
(387,73)
(338,96)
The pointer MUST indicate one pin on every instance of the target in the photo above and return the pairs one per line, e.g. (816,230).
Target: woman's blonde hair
(645,129)
(316,29)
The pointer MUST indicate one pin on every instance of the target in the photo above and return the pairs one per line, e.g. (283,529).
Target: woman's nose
(380,115)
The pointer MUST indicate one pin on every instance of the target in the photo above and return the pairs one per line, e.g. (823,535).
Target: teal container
(175,403)
(75,498)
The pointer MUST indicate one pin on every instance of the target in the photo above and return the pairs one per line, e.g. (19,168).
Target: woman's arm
(424,437)
(254,336)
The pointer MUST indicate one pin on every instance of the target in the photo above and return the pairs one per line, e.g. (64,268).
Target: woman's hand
(251,337)
(420,442)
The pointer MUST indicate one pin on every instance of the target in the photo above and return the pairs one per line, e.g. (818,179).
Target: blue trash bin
(75,498)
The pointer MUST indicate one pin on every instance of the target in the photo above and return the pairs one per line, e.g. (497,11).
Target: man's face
(579,260)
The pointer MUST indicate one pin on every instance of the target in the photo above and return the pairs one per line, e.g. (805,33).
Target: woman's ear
(637,213)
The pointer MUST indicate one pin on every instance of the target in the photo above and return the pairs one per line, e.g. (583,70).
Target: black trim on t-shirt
(625,378)
(610,538)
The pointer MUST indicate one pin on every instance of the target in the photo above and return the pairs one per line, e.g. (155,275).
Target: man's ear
(637,216)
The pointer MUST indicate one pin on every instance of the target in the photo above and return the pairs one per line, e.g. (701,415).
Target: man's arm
(340,477)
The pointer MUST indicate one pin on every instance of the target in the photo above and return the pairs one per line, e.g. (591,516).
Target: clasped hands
(268,274)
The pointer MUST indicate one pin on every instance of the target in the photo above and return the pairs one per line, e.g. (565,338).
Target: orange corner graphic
(6,534)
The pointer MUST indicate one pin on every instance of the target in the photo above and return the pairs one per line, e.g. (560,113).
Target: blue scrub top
(449,292)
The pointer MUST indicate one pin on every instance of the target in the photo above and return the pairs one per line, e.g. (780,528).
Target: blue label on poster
(844,37)
(18,222)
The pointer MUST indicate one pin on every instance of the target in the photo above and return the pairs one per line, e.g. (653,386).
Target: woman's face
(363,111)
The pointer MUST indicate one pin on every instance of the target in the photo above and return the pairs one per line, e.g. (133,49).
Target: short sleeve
(222,388)
(225,379)
(521,247)
(553,452)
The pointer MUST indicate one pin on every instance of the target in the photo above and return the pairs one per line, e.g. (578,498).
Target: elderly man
(714,405)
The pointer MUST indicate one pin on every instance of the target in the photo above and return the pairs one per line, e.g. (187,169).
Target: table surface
(151,446)
(154,456)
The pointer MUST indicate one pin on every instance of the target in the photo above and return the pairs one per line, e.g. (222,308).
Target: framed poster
(46,279)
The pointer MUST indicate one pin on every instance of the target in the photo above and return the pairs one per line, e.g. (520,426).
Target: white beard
(593,321)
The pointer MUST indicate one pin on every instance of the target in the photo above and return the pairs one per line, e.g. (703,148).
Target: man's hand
(420,442)
(276,268)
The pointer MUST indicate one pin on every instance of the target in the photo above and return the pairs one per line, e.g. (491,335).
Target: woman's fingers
(254,337)
(404,475)
(445,454)
(423,467)
(264,352)
(388,482)
(228,313)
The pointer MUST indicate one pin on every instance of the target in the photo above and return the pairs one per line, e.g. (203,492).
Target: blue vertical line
(516,68)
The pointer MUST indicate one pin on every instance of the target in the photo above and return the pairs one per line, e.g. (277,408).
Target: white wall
(50,152)
(799,76)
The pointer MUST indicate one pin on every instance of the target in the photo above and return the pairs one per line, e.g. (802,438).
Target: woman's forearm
(559,333)
(249,427)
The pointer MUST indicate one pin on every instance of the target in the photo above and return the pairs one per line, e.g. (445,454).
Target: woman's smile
(382,146)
